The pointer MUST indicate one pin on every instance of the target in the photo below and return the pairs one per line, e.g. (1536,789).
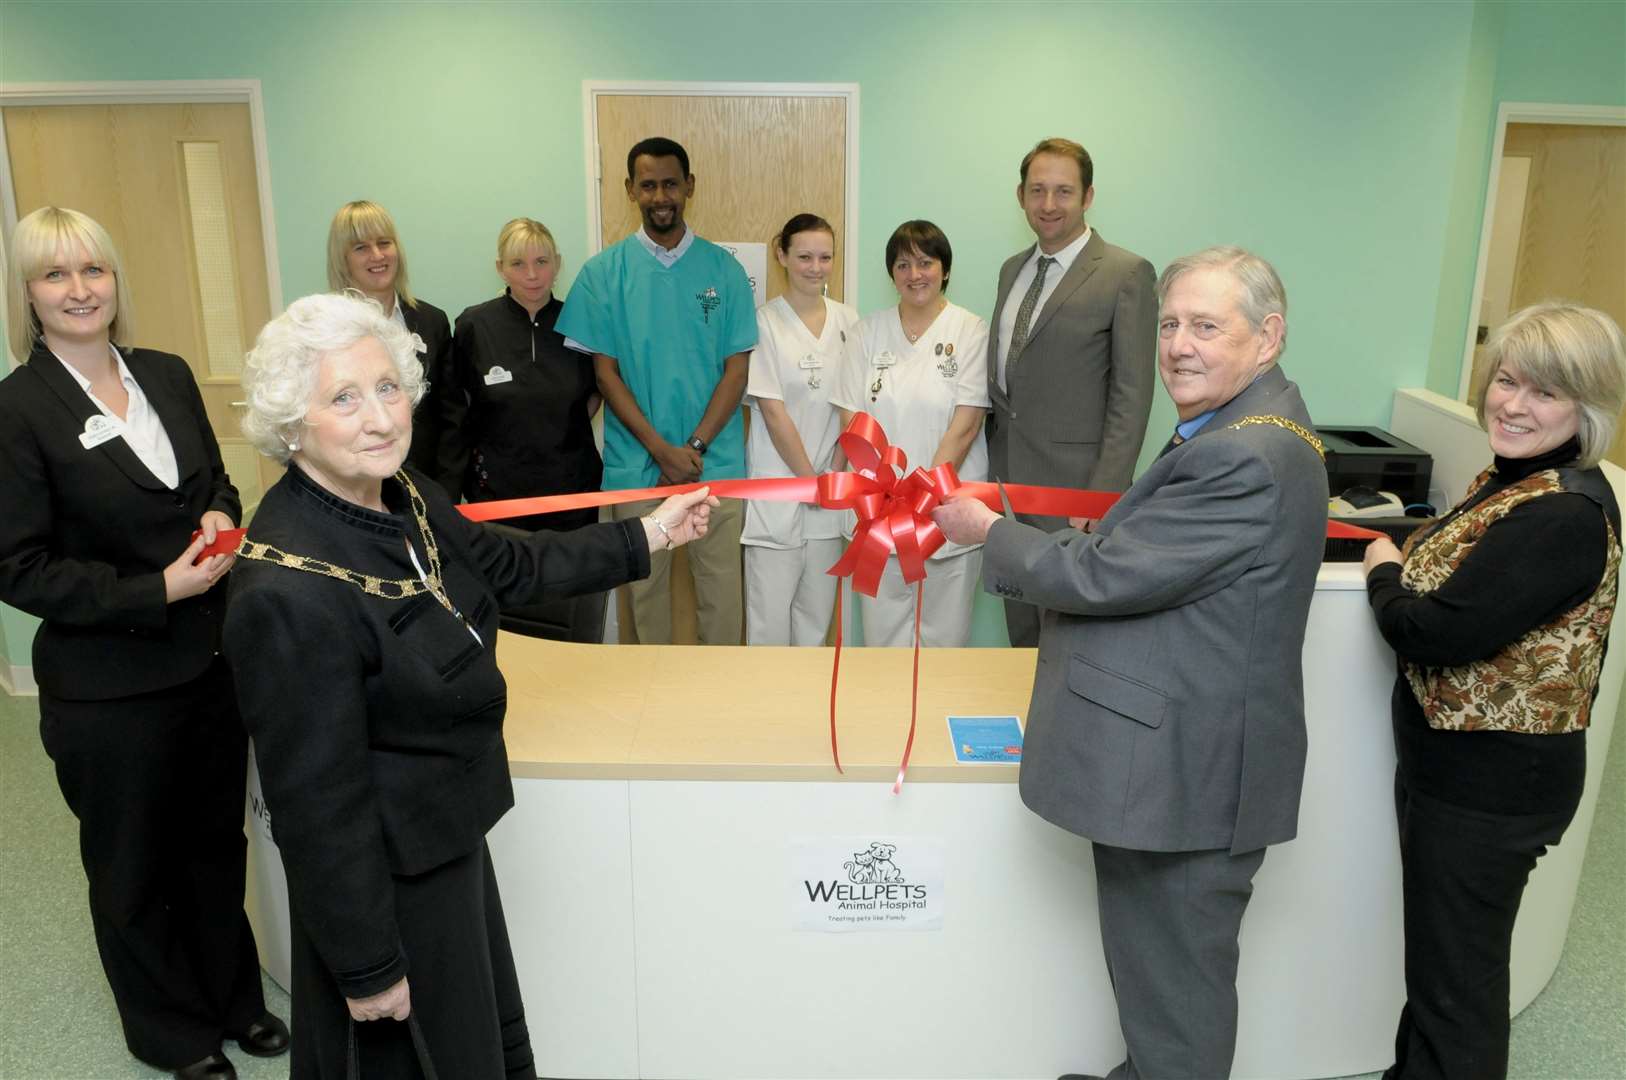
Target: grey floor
(57,1018)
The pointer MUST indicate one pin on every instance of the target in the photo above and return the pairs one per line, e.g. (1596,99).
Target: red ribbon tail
(835,673)
(914,692)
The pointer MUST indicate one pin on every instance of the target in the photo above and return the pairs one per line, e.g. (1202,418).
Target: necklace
(387,588)
(914,338)
(1287,425)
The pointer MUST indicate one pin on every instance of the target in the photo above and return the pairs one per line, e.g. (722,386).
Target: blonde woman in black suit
(107,468)
(364,253)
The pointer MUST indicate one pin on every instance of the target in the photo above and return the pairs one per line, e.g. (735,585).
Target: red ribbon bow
(894,506)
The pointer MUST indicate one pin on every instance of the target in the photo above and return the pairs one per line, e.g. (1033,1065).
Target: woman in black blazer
(363,631)
(107,468)
(364,253)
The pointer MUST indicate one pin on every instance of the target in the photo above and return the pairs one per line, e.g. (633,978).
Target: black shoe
(214,1067)
(265,1037)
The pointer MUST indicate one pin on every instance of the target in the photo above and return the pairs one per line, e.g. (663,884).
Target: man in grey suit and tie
(1072,349)
(1167,719)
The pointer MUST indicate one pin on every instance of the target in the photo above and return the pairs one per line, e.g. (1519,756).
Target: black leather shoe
(214,1067)
(265,1037)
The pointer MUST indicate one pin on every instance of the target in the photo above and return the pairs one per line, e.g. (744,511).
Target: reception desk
(647,871)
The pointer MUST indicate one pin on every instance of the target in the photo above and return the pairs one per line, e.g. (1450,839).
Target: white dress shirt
(140,426)
(396,315)
(664,257)
(1019,288)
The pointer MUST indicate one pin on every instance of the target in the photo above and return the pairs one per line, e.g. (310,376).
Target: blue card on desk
(983,740)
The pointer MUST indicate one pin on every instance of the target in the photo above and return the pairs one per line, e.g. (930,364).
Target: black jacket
(514,412)
(85,534)
(429,323)
(377,723)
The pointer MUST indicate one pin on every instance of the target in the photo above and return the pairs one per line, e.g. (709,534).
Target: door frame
(593,89)
(1517,112)
(149,92)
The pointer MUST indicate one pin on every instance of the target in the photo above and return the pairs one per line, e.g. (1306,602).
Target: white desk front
(646,864)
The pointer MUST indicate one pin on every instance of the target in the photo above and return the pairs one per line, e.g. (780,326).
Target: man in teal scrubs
(670,320)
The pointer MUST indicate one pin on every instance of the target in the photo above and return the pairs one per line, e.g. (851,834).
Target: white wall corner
(17,680)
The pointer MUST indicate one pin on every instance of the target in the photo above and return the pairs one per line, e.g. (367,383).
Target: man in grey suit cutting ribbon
(1167,719)
(1071,354)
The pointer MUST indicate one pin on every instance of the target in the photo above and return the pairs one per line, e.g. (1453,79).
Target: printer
(1369,457)
(1362,463)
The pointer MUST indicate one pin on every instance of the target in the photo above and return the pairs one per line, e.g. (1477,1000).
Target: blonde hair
(522,233)
(51,235)
(279,373)
(358,223)
(1573,351)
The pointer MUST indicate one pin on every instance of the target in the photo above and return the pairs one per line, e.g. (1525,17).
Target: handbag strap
(352,1064)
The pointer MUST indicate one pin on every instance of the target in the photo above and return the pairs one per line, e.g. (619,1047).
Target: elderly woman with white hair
(112,484)
(1499,613)
(361,631)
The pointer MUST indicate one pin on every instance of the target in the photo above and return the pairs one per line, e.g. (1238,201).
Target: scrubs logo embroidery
(950,367)
(708,302)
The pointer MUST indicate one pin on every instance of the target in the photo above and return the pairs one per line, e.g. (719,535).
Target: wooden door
(175,187)
(757,162)
(1570,232)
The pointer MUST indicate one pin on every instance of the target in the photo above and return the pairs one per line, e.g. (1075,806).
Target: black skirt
(464,989)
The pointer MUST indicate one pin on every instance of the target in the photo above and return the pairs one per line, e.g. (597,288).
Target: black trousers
(1464,873)
(1169,927)
(157,783)
(461,976)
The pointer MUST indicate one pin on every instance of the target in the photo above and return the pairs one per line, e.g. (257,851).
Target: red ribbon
(894,509)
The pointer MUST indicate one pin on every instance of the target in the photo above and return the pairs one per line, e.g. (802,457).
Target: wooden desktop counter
(648,877)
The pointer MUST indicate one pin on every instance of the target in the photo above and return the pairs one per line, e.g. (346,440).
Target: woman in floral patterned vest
(1499,612)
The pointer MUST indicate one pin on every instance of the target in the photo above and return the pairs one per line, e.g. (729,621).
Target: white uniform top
(792,366)
(913,389)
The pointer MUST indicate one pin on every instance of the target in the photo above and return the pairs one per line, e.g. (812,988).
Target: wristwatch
(697,444)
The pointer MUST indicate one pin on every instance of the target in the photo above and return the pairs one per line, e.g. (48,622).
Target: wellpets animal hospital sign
(845,883)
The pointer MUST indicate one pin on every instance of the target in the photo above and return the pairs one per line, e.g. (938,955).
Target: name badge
(810,362)
(884,359)
(98,429)
(498,375)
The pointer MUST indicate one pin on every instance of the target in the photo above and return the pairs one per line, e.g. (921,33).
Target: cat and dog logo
(876,887)
(874,864)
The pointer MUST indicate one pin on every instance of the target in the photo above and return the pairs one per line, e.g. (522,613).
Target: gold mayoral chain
(388,588)
(1284,422)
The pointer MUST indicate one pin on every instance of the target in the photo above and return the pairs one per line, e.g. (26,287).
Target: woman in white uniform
(920,369)
(801,341)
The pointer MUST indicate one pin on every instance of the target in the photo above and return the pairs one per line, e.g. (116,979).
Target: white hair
(279,374)
(1262,292)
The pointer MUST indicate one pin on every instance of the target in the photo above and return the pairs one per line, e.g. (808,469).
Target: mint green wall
(1323,135)
(1534,52)
(1344,141)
